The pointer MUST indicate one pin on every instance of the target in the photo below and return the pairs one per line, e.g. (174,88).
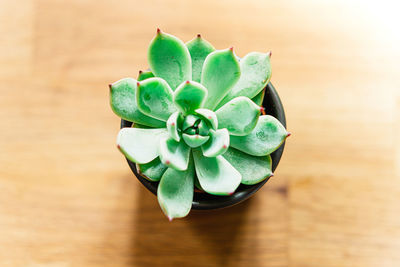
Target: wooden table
(68,198)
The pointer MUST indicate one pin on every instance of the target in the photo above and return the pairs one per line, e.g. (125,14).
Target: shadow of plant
(203,238)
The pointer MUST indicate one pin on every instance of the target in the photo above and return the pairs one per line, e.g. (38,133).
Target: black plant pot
(204,201)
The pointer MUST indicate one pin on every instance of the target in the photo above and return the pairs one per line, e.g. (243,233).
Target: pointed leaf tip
(154,98)
(158,31)
(269,54)
(209,116)
(122,101)
(288,134)
(172,125)
(175,192)
(255,74)
(144,75)
(190,96)
(169,59)
(217,144)
(221,71)
(199,50)
(174,154)
(265,138)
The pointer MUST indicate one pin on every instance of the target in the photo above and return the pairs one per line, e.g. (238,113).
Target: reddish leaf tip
(119,147)
(231,48)
(167,162)
(187,82)
(288,134)
(138,84)
(172,123)
(158,31)
(224,146)
(110,86)
(231,193)
(199,35)
(269,54)
(140,72)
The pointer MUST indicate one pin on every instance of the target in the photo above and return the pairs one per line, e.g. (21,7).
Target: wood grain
(68,198)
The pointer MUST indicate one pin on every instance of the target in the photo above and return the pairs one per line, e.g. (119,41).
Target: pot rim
(203,201)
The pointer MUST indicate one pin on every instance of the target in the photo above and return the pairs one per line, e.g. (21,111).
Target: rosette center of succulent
(193,125)
(193,129)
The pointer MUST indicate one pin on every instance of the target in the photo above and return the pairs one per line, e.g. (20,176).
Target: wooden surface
(68,198)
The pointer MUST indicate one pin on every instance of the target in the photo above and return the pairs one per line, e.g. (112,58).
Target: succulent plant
(197,120)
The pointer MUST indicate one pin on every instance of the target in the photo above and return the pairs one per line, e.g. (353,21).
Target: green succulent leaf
(190,96)
(189,121)
(140,145)
(239,116)
(174,154)
(175,192)
(143,75)
(169,59)
(253,169)
(123,103)
(197,183)
(209,116)
(155,98)
(265,138)
(220,73)
(259,98)
(256,73)
(199,50)
(203,128)
(218,143)
(137,125)
(153,170)
(194,140)
(190,131)
(173,123)
(216,175)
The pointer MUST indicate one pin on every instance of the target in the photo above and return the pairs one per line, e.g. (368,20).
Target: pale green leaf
(265,138)
(140,145)
(220,73)
(170,59)
(253,169)
(123,103)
